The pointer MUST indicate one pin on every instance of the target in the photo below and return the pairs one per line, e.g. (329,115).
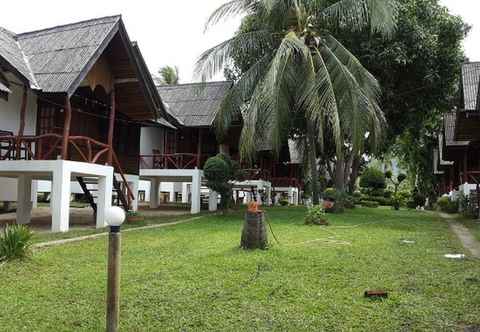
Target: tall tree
(307,74)
(168,75)
(419,71)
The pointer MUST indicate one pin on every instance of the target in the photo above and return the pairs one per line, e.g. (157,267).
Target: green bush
(15,242)
(370,204)
(419,199)
(283,202)
(446,205)
(388,194)
(315,216)
(381,200)
(373,178)
(330,194)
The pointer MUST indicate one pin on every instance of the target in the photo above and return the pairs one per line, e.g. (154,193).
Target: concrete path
(469,242)
(98,235)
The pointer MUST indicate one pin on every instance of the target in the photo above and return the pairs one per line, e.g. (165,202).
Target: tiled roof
(195,104)
(471,86)
(449,125)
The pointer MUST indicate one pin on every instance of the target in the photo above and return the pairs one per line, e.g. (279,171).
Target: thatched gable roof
(471,86)
(194,104)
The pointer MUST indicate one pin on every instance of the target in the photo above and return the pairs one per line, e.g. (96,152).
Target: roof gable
(195,104)
(471,86)
(12,57)
(59,56)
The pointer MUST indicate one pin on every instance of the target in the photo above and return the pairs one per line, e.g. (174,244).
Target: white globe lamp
(115,216)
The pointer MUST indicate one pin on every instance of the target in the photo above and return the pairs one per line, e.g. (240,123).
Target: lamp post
(115,217)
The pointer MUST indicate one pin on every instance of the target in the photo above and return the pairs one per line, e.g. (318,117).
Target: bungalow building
(456,158)
(73,101)
(172,171)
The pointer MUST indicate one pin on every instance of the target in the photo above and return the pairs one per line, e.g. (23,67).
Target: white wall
(10,121)
(151,138)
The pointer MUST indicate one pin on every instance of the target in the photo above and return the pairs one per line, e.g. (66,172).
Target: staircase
(120,198)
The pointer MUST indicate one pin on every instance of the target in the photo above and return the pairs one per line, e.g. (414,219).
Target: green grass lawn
(193,277)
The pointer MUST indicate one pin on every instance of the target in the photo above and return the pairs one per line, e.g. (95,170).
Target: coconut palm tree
(168,75)
(307,74)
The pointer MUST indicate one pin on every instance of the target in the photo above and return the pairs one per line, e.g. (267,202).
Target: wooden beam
(21,128)
(111,126)
(66,127)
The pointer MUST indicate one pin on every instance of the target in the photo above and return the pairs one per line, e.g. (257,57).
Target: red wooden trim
(23,109)
(80,151)
(117,164)
(99,154)
(66,128)
(111,126)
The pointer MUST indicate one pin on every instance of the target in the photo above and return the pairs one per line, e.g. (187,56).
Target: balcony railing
(48,147)
(172,161)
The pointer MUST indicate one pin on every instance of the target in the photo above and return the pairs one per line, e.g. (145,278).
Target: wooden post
(111,126)
(465,166)
(199,147)
(21,128)
(113,282)
(66,127)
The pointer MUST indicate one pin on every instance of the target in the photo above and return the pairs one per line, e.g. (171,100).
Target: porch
(61,173)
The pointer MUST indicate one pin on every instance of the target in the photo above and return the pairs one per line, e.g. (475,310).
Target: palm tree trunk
(313,163)
(354,175)
(340,173)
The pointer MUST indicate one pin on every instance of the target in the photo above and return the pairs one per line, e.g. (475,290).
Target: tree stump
(254,234)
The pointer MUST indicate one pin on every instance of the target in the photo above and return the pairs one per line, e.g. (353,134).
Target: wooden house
(91,93)
(456,159)
(184,150)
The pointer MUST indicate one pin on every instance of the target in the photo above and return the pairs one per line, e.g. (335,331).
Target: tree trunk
(354,174)
(313,162)
(348,169)
(340,173)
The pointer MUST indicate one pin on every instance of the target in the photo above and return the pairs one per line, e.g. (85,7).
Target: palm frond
(229,10)
(357,15)
(269,108)
(212,61)
(365,79)
(240,94)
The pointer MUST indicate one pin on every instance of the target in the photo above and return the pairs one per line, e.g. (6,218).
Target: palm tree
(168,75)
(308,74)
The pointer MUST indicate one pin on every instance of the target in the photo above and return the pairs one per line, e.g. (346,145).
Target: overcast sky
(170,31)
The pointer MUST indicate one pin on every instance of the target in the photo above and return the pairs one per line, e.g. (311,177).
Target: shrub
(370,204)
(330,194)
(419,199)
(388,194)
(447,205)
(15,242)
(283,202)
(372,178)
(411,204)
(315,216)
(219,171)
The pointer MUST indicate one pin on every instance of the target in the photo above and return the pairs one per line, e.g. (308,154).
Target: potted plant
(133,216)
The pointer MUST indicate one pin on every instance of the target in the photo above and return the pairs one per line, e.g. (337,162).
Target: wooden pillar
(21,128)
(111,126)
(66,127)
(451,177)
(199,147)
(465,166)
